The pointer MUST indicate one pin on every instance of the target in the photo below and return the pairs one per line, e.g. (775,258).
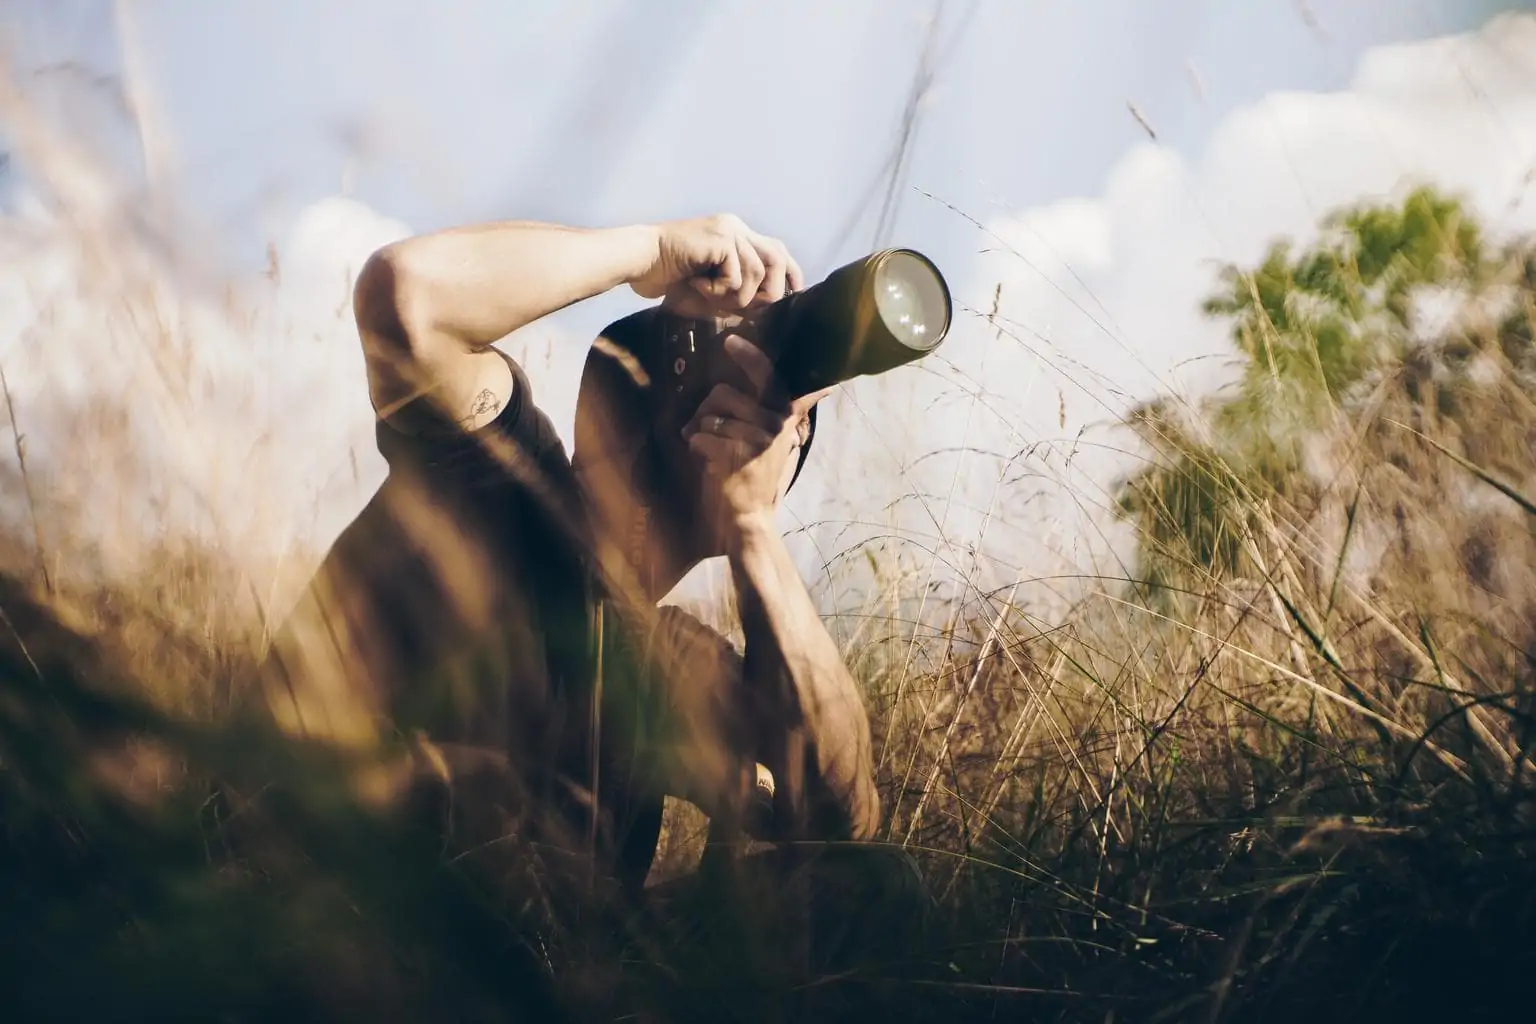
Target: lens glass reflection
(912,300)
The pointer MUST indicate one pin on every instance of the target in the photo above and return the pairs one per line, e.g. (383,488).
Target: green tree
(1317,330)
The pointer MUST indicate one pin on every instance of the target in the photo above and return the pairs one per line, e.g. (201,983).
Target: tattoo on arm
(485,404)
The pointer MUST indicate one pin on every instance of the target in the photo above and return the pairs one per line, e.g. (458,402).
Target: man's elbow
(864,822)
(855,817)
(390,301)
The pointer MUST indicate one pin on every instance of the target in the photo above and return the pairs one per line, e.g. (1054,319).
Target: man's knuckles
(731,402)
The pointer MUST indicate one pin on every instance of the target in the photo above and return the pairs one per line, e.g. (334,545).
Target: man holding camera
(489,622)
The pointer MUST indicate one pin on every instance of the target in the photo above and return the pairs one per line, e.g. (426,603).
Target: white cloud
(1099,297)
(153,402)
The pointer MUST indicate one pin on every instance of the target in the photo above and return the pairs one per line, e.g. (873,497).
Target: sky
(1088,162)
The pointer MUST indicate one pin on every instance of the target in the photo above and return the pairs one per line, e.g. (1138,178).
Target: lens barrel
(869,316)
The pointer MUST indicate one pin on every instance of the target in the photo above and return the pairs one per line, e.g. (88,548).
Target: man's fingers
(752,360)
(794,278)
(732,429)
(802,405)
(722,455)
(752,272)
(731,272)
(776,263)
(723,259)
(725,278)
(729,403)
(691,302)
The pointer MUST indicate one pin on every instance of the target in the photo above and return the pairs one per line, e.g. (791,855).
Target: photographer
(487,626)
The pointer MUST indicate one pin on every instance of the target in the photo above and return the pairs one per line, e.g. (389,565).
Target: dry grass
(1301,788)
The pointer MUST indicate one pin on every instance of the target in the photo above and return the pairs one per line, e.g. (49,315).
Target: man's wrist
(752,529)
(640,245)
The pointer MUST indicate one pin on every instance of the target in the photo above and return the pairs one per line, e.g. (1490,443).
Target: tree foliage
(1403,307)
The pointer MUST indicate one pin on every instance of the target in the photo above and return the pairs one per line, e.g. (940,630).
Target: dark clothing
(461,603)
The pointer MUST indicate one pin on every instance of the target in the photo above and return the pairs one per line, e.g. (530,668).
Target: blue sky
(1266,112)
(596,111)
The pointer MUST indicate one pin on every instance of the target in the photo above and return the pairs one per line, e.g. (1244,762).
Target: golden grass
(1189,806)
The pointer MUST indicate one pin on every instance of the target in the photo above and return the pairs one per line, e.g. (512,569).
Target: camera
(647,374)
(869,316)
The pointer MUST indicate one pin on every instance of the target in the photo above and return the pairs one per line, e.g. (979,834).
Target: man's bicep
(408,359)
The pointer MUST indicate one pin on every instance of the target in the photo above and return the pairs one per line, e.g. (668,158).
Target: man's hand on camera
(711,265)
(743,442)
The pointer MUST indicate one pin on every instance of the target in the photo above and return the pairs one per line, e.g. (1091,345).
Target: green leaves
(1315,329)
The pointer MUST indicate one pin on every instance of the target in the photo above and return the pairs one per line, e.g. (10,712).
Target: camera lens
(912,300)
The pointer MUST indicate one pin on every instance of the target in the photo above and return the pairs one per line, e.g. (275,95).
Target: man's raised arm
(428,307)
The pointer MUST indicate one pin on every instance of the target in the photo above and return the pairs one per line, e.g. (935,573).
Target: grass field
(1288,779)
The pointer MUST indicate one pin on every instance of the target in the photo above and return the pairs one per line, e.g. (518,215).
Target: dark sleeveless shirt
(465,603)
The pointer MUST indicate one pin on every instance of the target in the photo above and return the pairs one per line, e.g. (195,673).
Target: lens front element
(912,300)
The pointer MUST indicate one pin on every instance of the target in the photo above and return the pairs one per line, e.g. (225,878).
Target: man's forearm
(479,283)
(822,701)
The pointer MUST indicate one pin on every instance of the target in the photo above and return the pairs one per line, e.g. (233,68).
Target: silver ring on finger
(718,424)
